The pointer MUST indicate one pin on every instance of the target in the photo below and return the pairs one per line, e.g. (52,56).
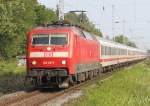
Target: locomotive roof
(56,27)
(59,24)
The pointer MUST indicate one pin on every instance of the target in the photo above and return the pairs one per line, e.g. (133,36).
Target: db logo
(48,54)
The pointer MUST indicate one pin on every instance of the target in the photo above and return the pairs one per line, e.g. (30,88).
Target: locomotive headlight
(48,48)
(34,62)
(63,62)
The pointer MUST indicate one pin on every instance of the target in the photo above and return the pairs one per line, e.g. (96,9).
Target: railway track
(7,101)
(39,97)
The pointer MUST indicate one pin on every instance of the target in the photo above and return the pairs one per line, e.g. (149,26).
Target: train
(59,55)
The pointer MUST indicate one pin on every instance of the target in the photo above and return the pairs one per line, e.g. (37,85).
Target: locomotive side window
(88,35)
(40,39)
(58,39)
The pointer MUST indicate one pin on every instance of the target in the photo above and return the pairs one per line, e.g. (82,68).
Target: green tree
(124,40)
(132,44)
(72,18)
(17,17)
(44,15)
(83,21)
(121,39)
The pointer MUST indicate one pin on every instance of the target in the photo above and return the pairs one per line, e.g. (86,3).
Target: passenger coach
(114,54)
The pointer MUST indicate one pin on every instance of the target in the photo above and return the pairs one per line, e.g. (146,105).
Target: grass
(12,78)
(10,67)
(130,87)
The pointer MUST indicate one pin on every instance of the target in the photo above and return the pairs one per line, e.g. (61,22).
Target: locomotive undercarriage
(49,78)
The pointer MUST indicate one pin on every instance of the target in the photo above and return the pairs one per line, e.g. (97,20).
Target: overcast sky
(131,17)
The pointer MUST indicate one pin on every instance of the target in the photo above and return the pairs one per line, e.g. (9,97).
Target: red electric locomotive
(60,54)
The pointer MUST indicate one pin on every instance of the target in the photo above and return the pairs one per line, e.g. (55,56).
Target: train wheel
(35,83)
(64,84)
(90,74)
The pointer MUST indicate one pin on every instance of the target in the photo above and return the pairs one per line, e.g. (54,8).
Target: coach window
(125,51)
(118,51)
(113,51)
(110,51)
(121,51)
(103,50)
(129,52)
(107,50)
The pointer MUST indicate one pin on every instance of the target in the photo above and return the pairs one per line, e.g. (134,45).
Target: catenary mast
(61,9)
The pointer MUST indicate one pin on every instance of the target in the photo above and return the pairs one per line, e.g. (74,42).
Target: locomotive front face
(48,54)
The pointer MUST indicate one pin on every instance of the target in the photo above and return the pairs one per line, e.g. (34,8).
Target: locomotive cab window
(49,39)
(58,39)
(40,39)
